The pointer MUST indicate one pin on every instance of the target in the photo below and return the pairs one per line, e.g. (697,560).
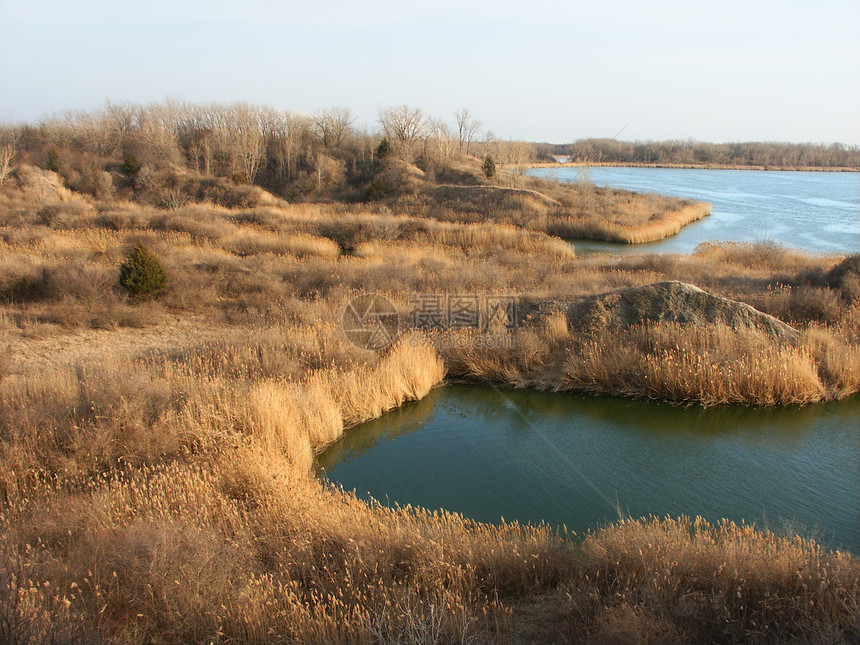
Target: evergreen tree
(53,162)
(489,167)
(131,165)
(376,190)
(383,149)
(142,273)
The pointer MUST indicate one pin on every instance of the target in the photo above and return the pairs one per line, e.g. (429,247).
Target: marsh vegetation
(156,453)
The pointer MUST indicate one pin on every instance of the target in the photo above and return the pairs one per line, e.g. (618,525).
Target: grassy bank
(155,455)
(580,210)
(672,362)
(633,227)
(179,507)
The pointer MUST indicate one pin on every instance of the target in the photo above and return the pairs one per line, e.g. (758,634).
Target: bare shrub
(172,198)
(104,188)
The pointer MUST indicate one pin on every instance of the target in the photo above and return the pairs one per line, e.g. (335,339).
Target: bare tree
(284,133)
(332,126)
(513,157)
(467,129)
(248,140)
(404,127)
(154,133)
(200,151)
(329,171)
(117,122)
(7,151)
(442,143)
(227,140)
(101,133)
(7,154)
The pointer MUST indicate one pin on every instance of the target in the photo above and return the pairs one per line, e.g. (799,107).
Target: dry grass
(669,581)
(668,361)
(563,210)
(224,550)
(161,491)
(635,226)
(706,365)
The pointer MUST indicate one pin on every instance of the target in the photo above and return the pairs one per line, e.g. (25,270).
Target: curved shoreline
(663,227)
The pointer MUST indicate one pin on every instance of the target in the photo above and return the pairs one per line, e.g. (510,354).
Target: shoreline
(653,231)
(692,166)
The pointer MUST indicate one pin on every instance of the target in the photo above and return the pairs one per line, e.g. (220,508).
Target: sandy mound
(675,302)
(43,185)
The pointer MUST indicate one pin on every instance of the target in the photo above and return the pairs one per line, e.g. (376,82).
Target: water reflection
(565,459)
(407,418)
(655,419)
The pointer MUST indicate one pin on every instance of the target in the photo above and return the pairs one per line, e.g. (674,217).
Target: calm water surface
(814,211)
(574,460)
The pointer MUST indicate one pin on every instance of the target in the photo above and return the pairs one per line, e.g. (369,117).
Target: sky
(533,70)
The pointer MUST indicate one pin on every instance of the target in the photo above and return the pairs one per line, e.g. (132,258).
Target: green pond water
(575,461)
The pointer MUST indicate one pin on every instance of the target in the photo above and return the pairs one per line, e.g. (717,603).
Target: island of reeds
(172,285)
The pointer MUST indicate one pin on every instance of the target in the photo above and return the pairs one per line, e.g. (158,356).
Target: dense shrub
(489,167)
(142,273)
(376,190)
(131,165)
(53,160)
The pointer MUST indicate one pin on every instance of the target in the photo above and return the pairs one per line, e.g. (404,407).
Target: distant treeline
(162,152)
(766,154)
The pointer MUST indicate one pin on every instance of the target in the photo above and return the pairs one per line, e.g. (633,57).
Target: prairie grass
(634,226)
(669,361)
(188,552)
(563,210)
(156,486)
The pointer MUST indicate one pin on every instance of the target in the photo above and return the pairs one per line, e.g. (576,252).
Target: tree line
(132,149)
(762,154)
(137,150)
(244,143)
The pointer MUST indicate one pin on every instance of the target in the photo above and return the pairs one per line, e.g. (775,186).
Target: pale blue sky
(537,70)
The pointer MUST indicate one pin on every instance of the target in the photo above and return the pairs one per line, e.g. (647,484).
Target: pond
(814,211)
(578,461)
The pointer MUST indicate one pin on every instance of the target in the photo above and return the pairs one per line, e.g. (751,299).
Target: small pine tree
(142,273)
(383,149)
(53,161)
(489,167)
(376,190)
(131,165)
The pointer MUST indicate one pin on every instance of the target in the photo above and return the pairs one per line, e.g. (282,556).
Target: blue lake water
(814,211)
